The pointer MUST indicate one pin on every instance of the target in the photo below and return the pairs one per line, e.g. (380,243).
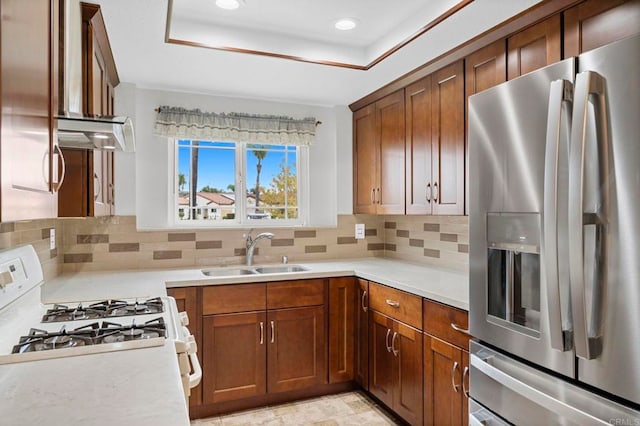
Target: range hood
(104,132)
(75,129)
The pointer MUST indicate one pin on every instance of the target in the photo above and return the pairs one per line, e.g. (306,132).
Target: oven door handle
(192,350)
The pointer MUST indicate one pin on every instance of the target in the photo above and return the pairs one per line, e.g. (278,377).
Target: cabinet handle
(428,196)
(373,195)
(110,195)
(393,344)
(364,295)
(453,377)
(393,303)
(379,197)
(97,194)
(57,149)
(273,332)
(460,329)
(435,190)
(465,373)
(261,333)
(386,340)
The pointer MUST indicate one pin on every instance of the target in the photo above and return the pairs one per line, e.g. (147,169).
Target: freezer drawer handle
(531,393)
(460,329)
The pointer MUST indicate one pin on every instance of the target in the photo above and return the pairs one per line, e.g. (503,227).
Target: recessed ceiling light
(228,4)
(346,24)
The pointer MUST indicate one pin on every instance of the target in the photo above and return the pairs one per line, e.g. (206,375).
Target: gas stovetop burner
(92,334)
(105,309)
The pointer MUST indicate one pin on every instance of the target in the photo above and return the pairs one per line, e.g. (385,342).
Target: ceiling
(137,31)
(305,28)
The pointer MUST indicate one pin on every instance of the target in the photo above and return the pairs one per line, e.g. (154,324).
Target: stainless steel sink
(280,269)
(228,272)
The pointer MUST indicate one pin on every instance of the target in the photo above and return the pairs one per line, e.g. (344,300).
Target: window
(230,183)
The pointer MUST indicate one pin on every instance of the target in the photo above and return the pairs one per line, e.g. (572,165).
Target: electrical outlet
(359,231)
(52,238)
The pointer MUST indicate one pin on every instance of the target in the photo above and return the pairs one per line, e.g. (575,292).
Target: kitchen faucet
(251,244)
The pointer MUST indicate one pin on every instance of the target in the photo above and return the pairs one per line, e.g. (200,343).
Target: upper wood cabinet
(534,47)
(379,156)
(28,68)
(595,23)
(484,68)
(90,192)
(435,145)
(448,140)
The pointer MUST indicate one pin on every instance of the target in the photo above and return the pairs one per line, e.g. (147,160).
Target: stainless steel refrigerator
(555,243)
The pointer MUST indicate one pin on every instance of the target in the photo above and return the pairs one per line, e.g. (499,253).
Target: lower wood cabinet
(234,348)
(342,307)
(249,350)
(296,349)
(361,343)
(446,368)
(395,366)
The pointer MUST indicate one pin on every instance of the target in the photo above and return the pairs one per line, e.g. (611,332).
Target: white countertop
(438,284)
(143,386)
(136,387)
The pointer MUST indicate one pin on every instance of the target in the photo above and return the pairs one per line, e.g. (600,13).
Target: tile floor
(350,408)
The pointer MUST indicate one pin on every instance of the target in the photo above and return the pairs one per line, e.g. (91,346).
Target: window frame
(241,220)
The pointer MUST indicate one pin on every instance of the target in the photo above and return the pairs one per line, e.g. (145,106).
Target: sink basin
(231,272)
(280,269)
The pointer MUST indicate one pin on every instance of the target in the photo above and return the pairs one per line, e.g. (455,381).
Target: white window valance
(181,123)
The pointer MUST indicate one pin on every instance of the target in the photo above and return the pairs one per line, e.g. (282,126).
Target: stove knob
(184,318)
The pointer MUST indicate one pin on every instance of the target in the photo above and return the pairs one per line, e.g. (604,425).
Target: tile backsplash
(36,233)
(110,243)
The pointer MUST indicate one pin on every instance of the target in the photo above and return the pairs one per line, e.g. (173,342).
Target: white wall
(143,185)
(344,166)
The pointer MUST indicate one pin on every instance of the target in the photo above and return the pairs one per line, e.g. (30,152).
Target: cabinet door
(484,68)
(234,356)
(342,296)
(418,147)
(533,48)
(442,382)
(365,156)
(381,359)
(465,389)
(390,128)
(406,345)
(74,193)
(100,185)
(27,52)
(594,23)
(187,301)
(448,140)
(296,354)
(362,335)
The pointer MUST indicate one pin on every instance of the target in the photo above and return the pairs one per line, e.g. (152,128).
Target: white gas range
(32,331)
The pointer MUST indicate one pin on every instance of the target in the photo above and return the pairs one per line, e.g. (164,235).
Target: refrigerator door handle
(590,88)
(561,92)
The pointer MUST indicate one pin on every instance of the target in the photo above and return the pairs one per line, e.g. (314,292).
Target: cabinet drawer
(227,299)
(292,294)
(397,304)
(439,321)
